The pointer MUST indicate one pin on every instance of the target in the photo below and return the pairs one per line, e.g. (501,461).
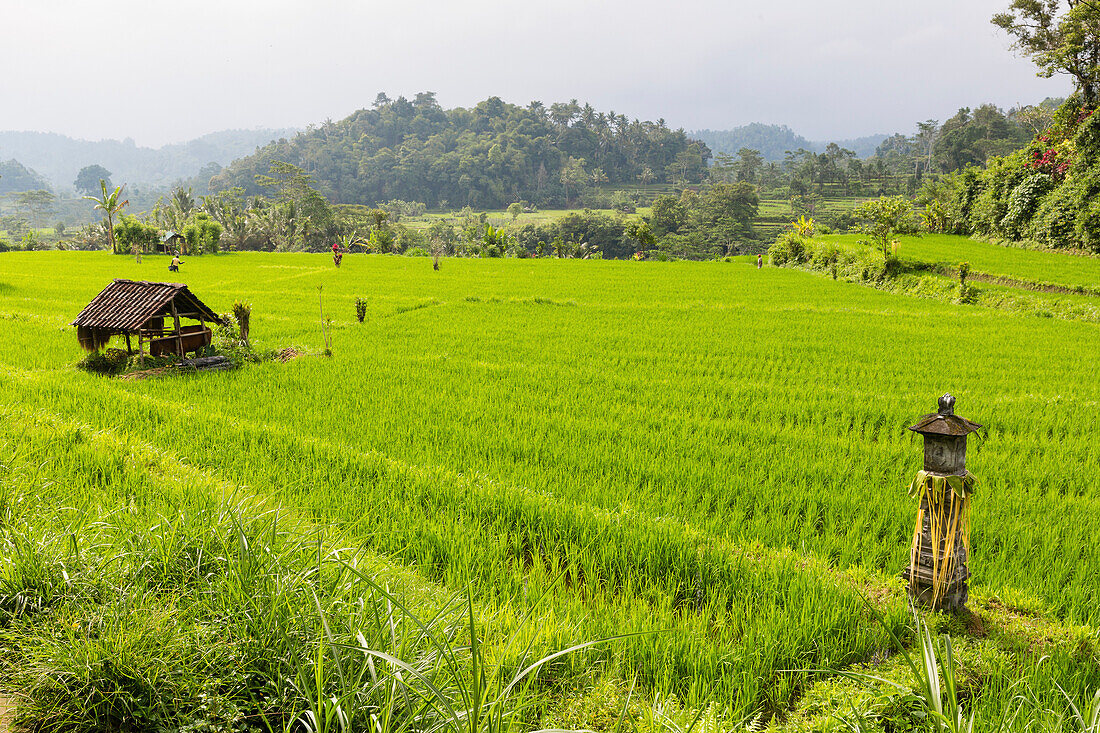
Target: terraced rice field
(1026,266)
(705,450)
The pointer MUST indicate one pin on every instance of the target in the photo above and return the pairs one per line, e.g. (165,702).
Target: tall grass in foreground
(214,615)
(935,698)
(226,615)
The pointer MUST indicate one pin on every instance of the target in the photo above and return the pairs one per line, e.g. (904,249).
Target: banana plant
(110,204)
(804,227)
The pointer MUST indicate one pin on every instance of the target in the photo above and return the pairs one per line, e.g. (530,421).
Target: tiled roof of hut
(125,305)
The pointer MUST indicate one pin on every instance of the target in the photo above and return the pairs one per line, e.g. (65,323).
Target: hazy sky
(162,71)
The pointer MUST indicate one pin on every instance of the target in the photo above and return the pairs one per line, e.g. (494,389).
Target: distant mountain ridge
(14,176)
(59,158)
(773,141)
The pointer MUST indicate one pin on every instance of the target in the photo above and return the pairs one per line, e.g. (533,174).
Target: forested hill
(60,158)
(14,176)
(487,156)
(773,141)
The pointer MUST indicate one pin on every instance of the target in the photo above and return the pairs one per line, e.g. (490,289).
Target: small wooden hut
(171,242)
(142,309)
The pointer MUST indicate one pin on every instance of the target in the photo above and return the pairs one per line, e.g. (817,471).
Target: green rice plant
(464,689)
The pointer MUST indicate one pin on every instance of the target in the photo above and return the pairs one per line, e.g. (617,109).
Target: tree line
(489,156)
(900,164)
(1048,190)
(714,219)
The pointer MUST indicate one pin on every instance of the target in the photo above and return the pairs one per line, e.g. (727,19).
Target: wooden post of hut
(938,560)
(179,332)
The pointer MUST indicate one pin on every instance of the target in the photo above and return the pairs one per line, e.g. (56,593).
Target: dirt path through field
(7,713)
(1011,282)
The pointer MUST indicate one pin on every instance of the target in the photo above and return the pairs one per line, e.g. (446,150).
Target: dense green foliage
(202,234)
(134,235)
(704,224)
(1045,193)
(789,167)
(970,137)
(88,178)
(489,156)
(1059,42)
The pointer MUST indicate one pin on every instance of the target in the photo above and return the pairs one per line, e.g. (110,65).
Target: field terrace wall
(140,308)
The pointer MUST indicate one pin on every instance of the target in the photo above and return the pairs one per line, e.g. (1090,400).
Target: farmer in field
(175,266)
(759,261)
(337,255)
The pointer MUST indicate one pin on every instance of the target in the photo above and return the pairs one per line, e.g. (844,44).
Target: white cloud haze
(165,72)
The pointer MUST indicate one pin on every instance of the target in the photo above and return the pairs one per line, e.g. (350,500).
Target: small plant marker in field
(324,323)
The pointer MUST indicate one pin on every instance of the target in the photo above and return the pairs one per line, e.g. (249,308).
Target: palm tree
(183,200)
(588,115)
(110,205)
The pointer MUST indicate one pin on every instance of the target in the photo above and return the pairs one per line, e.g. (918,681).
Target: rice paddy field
(1028,266)
(775,214)
(709,456)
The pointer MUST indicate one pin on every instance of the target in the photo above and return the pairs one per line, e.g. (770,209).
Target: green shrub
(1087,226)
(108,361)
(1087,139)
(202,234)
(132,234)
(1023,201)
(991,206)
(860,263)
(822,256)
(411,242)
(788,247)
(1085,183)
(1054,222)
(840,222)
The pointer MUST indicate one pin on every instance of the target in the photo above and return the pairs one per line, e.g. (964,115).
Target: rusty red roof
(125,305)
